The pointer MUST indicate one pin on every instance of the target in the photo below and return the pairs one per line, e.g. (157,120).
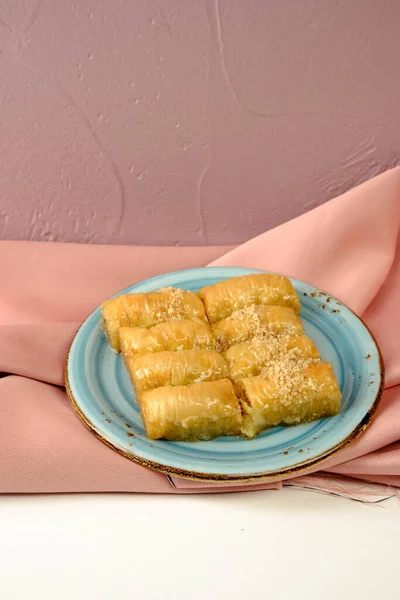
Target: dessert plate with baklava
(225,374)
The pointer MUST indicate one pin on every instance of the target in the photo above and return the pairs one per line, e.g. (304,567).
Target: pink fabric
(349,247)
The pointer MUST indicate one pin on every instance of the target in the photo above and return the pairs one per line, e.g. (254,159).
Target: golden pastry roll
(146,310)
(149,371)
(249,358)
(201,411)
(252,321)
(311,394)
(172,335)
(224,297)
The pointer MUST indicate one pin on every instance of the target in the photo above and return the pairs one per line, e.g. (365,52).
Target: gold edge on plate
(297,470)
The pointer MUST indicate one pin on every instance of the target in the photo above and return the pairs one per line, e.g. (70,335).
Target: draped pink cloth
(348,247)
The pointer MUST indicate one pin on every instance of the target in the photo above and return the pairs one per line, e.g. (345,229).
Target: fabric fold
(349,247)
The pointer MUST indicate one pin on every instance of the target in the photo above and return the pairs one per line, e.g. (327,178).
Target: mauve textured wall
(189,121)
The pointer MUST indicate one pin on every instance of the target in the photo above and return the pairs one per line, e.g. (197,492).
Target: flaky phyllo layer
(232,359)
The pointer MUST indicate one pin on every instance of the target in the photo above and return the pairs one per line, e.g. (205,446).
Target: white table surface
(278,545)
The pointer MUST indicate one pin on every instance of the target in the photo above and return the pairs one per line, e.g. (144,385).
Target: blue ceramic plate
(101,392)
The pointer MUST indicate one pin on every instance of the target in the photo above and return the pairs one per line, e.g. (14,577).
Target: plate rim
(264,476)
